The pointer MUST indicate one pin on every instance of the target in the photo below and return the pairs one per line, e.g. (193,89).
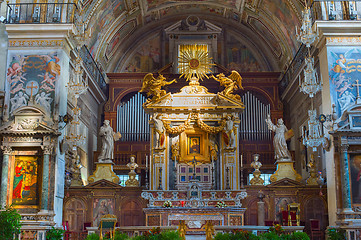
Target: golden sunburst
(193,60)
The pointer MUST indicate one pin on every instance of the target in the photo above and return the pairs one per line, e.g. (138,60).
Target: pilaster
(4,175)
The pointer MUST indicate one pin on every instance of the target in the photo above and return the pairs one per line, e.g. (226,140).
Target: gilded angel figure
(231,83)
(153,86)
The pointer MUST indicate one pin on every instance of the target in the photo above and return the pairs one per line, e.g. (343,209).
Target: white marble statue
(279,141)
(159,130)
(132,165)
(44,100)
(108,137)
(20,99)
(229,131)
(346,100)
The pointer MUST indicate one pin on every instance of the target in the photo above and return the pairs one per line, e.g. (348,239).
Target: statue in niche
(175,151)
(228,133)
(108,137)
(213,149)
(159,130)
(279,140)
(153,86)
(231,83)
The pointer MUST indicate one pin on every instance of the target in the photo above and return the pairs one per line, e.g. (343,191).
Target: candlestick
(146,161)
(241,161)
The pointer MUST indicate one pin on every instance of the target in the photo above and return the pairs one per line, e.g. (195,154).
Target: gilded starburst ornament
(194,61)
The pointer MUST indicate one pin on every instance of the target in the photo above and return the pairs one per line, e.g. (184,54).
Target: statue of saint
(108,137)
(279,141)
(159,131)
(132,165)
(228,134)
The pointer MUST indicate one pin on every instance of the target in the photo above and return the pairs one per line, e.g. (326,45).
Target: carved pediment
(286,182)
(28,120)
(103,184)
(195,98)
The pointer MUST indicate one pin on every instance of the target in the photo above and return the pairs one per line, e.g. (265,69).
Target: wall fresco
(344,66)
(106,13)
(239,57)
(33,79)
(146,58)
(285,18)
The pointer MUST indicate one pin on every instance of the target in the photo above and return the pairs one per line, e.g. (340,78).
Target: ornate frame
(185,137)
(12,162)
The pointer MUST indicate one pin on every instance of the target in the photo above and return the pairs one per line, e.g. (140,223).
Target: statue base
(256,180)
(285,170)
(132,182)
(104,171)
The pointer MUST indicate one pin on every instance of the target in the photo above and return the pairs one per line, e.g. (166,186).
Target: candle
(146,161)
(241,161)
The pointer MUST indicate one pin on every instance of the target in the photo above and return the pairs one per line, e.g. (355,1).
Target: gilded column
(4,175)
(346,192)
(45,183)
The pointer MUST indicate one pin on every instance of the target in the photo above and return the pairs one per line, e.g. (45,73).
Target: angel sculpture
(153,86)
(231,83)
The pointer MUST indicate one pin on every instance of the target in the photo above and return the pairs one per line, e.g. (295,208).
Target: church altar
(167,208)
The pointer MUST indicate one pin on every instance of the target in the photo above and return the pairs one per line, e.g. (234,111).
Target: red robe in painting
(18,182)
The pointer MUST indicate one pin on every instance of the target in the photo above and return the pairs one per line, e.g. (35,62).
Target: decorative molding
(36,43)
(343,41)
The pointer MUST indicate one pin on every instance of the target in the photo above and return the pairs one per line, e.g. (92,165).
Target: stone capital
(47,149)
(6,150)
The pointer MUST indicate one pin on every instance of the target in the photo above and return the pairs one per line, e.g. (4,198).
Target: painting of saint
(25,183)
(102,206)
(355,179)
(194,145)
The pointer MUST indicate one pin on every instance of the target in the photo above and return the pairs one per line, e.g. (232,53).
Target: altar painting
(194,143)
(25,184)
(101,207)
(344,66)
(355,178)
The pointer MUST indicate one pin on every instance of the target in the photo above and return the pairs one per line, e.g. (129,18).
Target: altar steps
(195,237)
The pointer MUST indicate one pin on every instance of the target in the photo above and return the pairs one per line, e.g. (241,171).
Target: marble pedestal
(285,170)
(104,170)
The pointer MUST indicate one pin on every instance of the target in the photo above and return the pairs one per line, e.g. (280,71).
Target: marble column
(3,54)
(45,183)
(346,191)
(4,175)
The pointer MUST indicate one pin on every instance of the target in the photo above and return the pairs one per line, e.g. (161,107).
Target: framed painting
(355,178)
(194,143)
(25,182)
(101,207)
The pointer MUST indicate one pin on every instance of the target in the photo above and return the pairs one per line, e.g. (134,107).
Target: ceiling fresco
(270,24)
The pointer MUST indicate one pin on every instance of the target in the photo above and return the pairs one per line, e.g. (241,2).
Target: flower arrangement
(221,204)
(167,204)
(277,228)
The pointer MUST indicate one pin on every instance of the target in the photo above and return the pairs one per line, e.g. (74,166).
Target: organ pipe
(253,126)
(132,121)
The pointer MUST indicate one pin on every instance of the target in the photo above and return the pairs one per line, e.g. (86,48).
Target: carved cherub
(153,86)
(231,83)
